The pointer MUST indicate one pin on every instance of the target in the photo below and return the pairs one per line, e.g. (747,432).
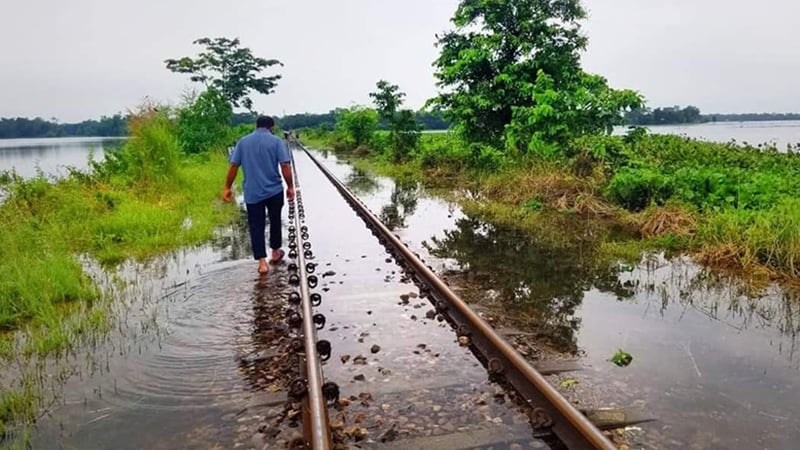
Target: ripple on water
(194,364)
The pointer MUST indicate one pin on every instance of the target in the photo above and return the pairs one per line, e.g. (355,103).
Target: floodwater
(51,156)
(174,373)
(773,133)
(714,362)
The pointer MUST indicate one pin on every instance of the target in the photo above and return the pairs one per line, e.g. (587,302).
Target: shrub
(151,154)
(635,189)
(203,124)
(356,126)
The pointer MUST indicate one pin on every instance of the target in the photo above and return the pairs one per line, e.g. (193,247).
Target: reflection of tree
(402,203)
(234,241)
(361,182)
(723,298)
(541,286)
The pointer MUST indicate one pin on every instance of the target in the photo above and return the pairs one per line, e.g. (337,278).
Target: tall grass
(146,199)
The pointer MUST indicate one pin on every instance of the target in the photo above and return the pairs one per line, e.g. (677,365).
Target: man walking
(260,154)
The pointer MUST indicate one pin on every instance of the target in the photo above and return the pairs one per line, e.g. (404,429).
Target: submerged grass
(47,226)
(145,199)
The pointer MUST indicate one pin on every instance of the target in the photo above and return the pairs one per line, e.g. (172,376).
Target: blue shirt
(260,154)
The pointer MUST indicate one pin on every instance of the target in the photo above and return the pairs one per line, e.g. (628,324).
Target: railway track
(551,416)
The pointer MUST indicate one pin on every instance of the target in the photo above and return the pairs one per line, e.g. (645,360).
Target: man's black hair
(265,122)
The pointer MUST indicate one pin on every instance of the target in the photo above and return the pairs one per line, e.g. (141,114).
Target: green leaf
(622,358)
(568,383)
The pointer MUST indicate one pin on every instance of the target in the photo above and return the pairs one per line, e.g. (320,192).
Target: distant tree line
(664,116)
(751,117)
(675,115)
(429,120)
(20,127)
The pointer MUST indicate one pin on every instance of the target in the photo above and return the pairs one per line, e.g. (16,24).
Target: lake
(777,133)
(51,155)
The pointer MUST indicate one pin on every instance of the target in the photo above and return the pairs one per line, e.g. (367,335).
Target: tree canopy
(232,70)
(387,99)
(516,63)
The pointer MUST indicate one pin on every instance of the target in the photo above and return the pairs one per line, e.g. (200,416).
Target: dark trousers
(256,220)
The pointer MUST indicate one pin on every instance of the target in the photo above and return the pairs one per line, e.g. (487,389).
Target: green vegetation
(622,358)
(531,145)
(146,199)
(160,190)
(231,70)
(403,127)
(204,124)
(511,76)
(665,116)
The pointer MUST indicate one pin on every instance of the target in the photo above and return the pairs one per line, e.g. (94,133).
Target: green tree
(490,62)
(513,66)
(403,126)
(555,116)
(232,70)
(204,123)
(404,134)
(387,99)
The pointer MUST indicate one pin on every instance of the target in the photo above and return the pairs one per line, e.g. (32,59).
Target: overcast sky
(78,59)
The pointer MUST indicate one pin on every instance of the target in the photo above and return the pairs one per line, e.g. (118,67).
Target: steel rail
(318,432)
(550,409)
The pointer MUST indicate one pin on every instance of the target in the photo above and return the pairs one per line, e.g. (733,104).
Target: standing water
(713,361)
(779,134)
(51,156)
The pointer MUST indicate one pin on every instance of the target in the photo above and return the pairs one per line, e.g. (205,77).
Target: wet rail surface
(548,413)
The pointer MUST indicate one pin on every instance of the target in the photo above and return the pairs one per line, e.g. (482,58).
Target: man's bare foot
(277,256)
(263,268)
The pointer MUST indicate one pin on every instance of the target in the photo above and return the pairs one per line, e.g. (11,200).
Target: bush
(356,126)
(635,189)
(204,123)
(151,154)
(405,132)
(442,149)
(485,157)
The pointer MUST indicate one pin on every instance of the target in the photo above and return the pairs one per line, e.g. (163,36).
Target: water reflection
(234,243)
(402,204)
(362,182)
(540,286)
(51,157)
(679,287)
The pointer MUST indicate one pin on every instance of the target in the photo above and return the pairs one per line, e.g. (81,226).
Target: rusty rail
(317,433)
(551,412)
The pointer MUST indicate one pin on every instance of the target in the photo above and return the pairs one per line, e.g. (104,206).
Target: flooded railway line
(419,385)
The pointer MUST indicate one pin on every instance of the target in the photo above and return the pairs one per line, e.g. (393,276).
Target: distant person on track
(263,158)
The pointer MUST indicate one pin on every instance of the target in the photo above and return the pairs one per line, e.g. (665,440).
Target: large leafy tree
(229,68)
(506,57)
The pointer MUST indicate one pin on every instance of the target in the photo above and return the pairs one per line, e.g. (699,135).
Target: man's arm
(286,170)
(233,170)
